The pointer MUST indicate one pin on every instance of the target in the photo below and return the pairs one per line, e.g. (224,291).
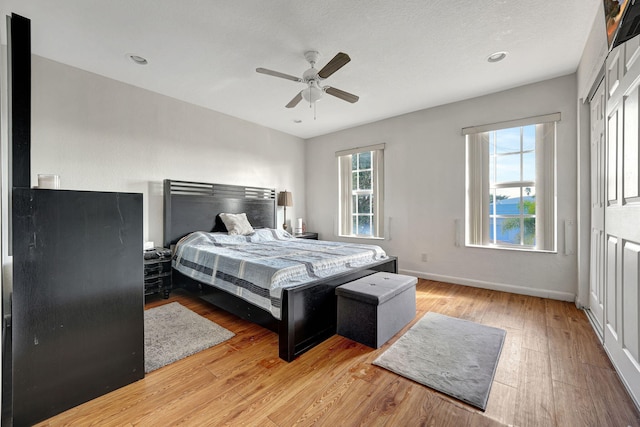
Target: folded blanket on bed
(257,267)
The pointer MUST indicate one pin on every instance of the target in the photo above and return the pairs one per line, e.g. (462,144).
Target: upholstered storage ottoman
(374,308)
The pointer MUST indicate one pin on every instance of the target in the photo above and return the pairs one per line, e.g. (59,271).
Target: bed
(303,313)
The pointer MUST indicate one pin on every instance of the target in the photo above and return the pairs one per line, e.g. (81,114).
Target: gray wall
(100,134)
(425,189)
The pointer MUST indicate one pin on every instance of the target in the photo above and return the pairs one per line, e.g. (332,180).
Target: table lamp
(285,199)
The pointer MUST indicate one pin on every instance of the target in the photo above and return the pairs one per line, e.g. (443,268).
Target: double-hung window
(361,194)
(511,188)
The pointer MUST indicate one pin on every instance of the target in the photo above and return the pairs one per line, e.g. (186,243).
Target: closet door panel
(630,301)
(612,158)
(630,146)
(611,284)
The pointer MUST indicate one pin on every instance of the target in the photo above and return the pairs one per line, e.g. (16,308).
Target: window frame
(347,209)
(479,161)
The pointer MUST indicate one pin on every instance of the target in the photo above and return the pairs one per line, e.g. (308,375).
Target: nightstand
(157,271)
(307,235)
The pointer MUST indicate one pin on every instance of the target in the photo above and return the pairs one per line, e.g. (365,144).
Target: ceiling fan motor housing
(313,92)
(310,75)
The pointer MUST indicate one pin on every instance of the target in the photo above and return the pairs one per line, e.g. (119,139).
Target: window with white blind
(361,191)
(511,184)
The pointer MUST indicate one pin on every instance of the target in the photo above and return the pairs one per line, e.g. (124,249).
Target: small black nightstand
(157,271)
(307,235)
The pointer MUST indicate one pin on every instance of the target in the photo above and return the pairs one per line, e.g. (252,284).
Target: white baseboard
(594,325)
(542,293)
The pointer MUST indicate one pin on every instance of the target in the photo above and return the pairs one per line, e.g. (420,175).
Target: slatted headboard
(194,206)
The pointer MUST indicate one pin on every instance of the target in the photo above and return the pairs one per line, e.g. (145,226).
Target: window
(361,192)
(511,184)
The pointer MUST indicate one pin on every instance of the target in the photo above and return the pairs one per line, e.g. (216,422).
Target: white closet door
(622,215)
(597,247)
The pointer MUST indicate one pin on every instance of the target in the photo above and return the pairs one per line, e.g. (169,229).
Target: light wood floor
(552,372)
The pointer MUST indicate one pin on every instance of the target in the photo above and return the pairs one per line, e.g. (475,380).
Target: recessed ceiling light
(497,56)
(138,59)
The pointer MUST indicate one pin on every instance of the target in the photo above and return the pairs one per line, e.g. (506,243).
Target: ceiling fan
(312,78)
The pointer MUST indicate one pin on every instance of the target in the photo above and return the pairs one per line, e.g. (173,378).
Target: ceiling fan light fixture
(312,93)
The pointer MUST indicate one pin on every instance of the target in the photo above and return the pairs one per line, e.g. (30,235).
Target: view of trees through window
(512,196)
(362,193)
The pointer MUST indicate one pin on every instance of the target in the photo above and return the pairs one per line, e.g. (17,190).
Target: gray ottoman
(374,308)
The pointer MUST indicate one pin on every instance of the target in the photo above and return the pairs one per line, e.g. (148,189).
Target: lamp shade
(285,198)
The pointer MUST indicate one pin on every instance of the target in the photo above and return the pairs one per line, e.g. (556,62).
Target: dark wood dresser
(77,324)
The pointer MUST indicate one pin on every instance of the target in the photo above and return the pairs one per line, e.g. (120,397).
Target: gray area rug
(173,332)
(456,357)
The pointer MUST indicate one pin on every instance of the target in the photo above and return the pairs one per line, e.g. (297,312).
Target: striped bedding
(257,267)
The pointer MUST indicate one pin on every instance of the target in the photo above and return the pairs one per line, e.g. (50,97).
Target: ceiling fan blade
(338,61)
(278,74)
(346,96)
(296,99)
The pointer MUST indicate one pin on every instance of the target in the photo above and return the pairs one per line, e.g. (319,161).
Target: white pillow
(237,224)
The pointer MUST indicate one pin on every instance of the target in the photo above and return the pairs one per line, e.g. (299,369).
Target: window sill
(360,237)
(512,249)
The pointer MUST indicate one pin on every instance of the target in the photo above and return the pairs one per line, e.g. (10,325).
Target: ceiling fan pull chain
(314,110)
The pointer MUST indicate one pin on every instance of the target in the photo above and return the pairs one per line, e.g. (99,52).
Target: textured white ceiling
(406,55)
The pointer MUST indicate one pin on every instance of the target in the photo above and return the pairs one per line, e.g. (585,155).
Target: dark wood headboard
(194,206)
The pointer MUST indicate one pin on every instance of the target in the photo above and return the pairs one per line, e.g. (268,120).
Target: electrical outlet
(425,258)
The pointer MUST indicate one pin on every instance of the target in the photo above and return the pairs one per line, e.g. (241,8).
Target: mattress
(259,266)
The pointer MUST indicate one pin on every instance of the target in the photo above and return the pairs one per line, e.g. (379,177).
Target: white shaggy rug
(456,357)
